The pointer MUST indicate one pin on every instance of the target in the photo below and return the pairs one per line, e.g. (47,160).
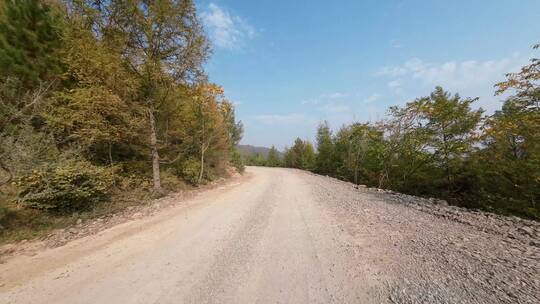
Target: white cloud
(227,31)
(409,67)
(272,119)
(372,98)
(336,95)
(325,98)
(391,71)
(395,44)
(455,74)
(394,84)
(311,102)
(470,78)
(329,102)
(334,108)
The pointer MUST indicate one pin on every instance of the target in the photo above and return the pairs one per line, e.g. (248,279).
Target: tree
(301,155)
(428,141)
(90,91)
(30,51)
(307,156)
(510,162)
(325,150)
(256,159)
(440,146)
(273,160)
(405,154)
(525,82)
(22,145)
(452,126)
(358,149)
(30,41)
(235,129)
(210,124)
(509,177)
(96,111)
(163,44)
(288,158)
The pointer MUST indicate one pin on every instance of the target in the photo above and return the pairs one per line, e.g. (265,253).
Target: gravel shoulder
(288,236)
(432,253)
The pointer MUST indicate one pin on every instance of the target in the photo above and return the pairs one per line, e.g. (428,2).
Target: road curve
(279,236)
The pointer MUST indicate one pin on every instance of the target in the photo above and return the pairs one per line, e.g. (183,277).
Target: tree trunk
(203,149)
(382,176)
(9,174)
(356,174)
(201,171)
(155,154)
(356,165)
(110,155)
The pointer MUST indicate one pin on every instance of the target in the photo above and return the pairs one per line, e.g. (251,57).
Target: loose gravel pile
(429,252)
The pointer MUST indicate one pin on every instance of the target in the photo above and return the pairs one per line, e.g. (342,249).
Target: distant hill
(249,150)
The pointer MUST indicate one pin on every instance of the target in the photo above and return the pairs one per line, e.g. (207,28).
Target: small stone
(525,230)
(79,222)
(8,248)
(442,202)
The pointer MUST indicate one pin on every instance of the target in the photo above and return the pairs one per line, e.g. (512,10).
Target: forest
(440,146)
(102,104)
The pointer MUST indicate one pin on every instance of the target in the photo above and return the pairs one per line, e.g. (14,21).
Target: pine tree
(164,44)
(30,39)
(451,124)
(272,160)
(325,151)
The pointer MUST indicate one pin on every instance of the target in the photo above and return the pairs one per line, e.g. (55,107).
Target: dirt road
(286,236)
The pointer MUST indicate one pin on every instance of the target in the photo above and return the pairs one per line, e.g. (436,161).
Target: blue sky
(289,65)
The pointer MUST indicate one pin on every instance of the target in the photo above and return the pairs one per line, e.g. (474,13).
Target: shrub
(71,185)
(3,214)
(237,161)
(190,170)
(171,181)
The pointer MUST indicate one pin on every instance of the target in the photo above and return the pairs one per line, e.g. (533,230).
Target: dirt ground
(286,236)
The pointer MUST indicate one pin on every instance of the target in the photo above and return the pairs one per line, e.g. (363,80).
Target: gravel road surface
(288,236)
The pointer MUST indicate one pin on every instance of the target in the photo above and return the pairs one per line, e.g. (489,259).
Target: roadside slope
(434,253)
